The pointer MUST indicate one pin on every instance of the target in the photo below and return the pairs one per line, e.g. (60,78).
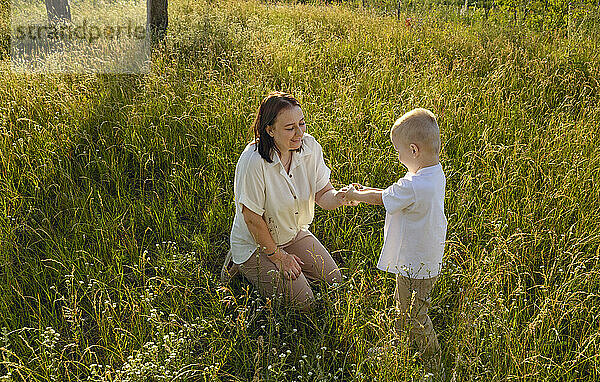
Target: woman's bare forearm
(329,200)
(259,230)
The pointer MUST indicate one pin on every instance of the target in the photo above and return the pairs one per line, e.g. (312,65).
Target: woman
(278,179)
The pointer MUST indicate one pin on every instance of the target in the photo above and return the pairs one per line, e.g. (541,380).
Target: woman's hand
(285,262)
(288,264)
(347,194)
(343,195)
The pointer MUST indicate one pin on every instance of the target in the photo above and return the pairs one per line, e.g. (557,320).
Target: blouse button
(290,175)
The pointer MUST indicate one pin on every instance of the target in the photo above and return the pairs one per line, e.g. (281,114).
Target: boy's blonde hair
(418,126)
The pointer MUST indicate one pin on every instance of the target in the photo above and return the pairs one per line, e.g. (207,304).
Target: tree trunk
(158,19)
(58,11)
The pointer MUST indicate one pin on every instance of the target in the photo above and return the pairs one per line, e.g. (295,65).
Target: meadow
(116,199)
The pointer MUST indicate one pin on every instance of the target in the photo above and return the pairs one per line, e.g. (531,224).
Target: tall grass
(117,201)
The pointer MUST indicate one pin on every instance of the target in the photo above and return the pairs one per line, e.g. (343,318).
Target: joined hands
(347,194)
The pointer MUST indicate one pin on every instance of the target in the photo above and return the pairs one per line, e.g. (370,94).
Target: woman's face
(288,128)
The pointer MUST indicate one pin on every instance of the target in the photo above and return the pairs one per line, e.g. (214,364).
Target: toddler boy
(415,226)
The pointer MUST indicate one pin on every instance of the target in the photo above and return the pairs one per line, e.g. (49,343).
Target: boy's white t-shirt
(415,224)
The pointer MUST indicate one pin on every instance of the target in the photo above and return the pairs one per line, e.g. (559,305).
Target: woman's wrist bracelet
(272,253)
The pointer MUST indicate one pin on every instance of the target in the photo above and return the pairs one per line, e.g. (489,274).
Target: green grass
(116,200)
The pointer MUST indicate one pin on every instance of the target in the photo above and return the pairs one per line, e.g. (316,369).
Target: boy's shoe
(229,269)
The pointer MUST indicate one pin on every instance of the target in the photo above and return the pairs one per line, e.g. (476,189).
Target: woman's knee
(299,293)
(304,301)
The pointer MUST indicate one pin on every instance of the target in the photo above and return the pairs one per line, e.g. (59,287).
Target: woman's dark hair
(269,108)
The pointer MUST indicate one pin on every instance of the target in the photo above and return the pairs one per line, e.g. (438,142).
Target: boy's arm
(366,195)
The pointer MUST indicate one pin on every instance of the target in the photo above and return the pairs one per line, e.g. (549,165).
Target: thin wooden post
(569,27)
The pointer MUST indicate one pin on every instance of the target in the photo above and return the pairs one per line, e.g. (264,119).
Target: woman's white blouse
(286,201)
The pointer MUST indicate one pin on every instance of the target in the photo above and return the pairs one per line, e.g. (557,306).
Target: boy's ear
(415,150)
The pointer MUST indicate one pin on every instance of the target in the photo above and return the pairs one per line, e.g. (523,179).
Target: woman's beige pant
(318,265)
(413,301)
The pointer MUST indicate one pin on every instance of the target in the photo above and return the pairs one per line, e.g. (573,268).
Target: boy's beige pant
(318,265)
(413,301)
